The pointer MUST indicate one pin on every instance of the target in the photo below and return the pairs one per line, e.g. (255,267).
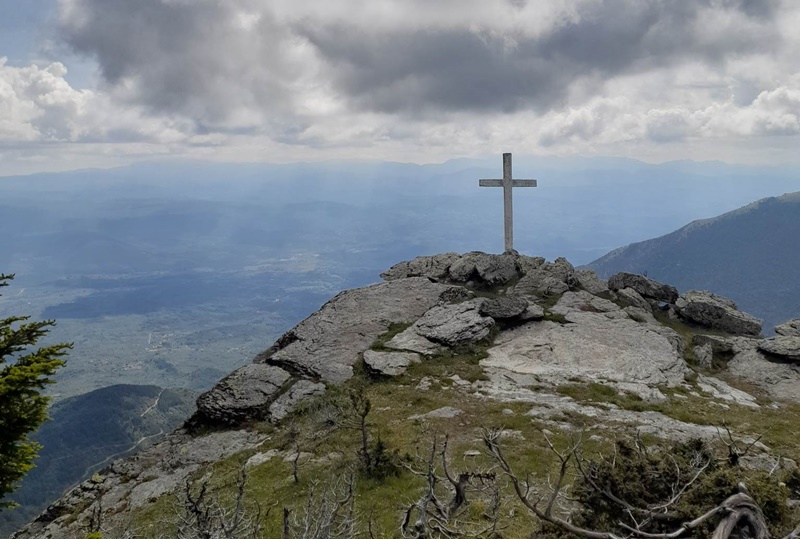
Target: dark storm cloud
(459,69)
(192,58)
(202,60)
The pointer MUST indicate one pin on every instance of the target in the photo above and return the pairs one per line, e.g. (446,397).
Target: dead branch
(429,515)
(734,452)
(329,515)
(740,515)
(490,439)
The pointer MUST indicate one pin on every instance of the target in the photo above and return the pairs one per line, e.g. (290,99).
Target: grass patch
(555,317)
(594,392)
(393,330)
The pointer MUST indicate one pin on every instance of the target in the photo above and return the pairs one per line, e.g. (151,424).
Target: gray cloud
(231,63)
(198,59)
(419,70)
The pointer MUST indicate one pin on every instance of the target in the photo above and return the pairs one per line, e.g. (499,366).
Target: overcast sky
(104,82)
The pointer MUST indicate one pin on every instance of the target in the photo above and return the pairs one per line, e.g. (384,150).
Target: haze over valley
(176,274)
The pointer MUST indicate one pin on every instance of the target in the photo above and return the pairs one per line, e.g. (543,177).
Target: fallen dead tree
(739,516)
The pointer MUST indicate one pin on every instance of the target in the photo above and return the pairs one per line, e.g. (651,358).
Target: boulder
(644,316)
(594,348)
(447,325)
(547,279)
(328,343)
(540,283)
(504,307)
(631,297)
(584,302)
(529,263)
(389,363)
(645,286)
(784,346)
(447,412)
(588,280)
(411,341)
(704,355)
(789,329)
(433,267)
(779,379)
(243,395)
(483,270)
(533,312)
(288,401)
(716,312)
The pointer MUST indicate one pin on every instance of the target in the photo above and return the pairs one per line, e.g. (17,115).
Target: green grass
(393,330)
(395,401)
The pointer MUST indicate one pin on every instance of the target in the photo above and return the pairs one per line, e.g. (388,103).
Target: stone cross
(507,183)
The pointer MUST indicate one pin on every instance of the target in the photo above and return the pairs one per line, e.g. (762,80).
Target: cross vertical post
(507,183)
(508,206)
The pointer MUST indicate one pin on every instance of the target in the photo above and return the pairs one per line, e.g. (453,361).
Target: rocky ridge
(540,325)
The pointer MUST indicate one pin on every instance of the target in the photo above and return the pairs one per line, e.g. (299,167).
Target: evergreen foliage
(24,373)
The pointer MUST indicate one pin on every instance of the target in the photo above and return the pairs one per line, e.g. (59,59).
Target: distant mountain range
(751,255)
(88,432)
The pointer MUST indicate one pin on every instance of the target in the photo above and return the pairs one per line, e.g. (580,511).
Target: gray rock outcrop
(328,343)
(288,401)
(582,301)
(789,329)
(546,278)
(645,286)
(484,270)
(434,267)
(579,336)
(445,325)
(716,312)
(588,280)
(504,307)
(243,395)
(631,297)
(782,346)
(389,363)
(593,348)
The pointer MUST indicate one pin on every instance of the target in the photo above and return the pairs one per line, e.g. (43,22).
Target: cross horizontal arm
(514,183)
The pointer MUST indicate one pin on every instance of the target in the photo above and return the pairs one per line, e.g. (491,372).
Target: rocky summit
(459,339)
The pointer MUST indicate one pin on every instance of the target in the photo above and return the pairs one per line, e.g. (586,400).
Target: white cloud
(37,104)
(416,80)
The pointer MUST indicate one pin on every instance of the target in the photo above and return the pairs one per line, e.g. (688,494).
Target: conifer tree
(24,373)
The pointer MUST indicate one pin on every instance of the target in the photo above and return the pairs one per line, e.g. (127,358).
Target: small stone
(261,458)
(704,355)
(446,412)
(424,384)
(291,457)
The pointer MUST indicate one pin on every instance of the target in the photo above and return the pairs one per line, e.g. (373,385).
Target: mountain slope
(388,380)
(751,255)
(87,432)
